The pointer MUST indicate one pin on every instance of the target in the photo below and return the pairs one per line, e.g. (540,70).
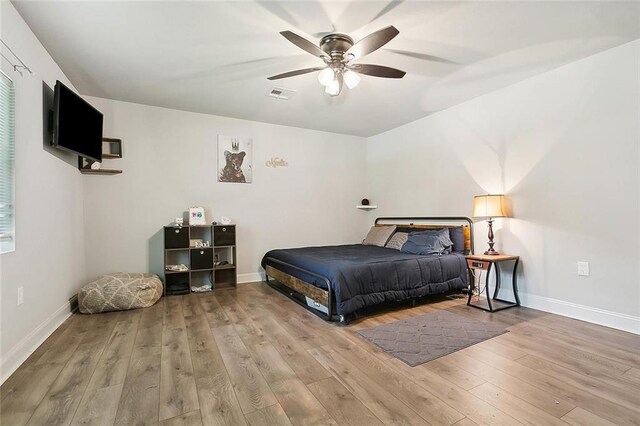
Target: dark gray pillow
(428,242)
(457,237)
(443,234)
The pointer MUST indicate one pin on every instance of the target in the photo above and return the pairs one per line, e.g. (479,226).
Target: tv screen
(77,126)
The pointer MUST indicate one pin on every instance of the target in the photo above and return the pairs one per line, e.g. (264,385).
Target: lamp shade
(489,206)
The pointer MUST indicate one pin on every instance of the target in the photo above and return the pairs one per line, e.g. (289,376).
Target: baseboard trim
(250,277)
(21,351)
(598,316)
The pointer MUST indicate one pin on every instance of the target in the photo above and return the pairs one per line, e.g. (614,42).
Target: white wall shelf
(361,207)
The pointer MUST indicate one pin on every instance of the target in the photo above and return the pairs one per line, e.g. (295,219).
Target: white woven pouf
(119,291)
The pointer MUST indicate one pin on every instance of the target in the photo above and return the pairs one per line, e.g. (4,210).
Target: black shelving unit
(203,263)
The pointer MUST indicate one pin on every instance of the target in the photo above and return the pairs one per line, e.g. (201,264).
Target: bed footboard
(318,295)
(312,292)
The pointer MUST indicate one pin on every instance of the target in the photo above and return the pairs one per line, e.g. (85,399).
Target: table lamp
(489,207)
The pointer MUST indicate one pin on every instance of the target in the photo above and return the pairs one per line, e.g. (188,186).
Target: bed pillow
(397,241)
(428,242)
(379,235)
(457,237)
(443,234)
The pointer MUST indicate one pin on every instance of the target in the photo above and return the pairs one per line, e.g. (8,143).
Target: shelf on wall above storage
(361,207)
(86,171)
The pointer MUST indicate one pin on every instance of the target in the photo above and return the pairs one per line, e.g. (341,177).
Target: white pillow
(379,235)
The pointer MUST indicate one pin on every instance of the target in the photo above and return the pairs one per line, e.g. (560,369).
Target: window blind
(7,164)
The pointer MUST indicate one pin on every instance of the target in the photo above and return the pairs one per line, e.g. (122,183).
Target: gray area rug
(426,337)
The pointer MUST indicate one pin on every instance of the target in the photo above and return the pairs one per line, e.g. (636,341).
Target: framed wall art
(235,159)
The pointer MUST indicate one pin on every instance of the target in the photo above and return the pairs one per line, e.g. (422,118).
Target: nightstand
(477,263)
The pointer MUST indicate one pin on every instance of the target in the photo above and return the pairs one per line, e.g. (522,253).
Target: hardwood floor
(251,356)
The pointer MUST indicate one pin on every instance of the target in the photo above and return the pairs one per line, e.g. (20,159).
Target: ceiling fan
(338,51)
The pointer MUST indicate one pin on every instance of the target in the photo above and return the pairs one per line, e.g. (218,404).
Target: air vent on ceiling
(281,93)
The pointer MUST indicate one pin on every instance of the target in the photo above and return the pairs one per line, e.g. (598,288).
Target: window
(7,164)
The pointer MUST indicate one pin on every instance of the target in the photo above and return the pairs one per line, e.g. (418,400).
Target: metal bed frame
(293,285)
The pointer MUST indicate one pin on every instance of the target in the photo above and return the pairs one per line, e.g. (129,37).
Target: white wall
(564,147)
(169,165)
(48,261)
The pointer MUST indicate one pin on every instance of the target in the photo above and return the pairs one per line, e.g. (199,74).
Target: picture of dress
(234,159)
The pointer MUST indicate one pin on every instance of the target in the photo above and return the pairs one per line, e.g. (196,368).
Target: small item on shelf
(177,268)
(201,244)
(196,216)
(179,221)
(178,288)
(225,220)
(201,289)
(95,165)
(364,202)
(224,262)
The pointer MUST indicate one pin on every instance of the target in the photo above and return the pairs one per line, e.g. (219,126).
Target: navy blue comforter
(363,276)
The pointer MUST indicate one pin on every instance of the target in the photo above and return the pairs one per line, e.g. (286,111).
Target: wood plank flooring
(250,356)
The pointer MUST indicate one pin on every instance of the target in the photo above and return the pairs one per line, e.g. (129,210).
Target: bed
(337,282)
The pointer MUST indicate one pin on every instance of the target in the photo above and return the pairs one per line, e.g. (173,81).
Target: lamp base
(491,251)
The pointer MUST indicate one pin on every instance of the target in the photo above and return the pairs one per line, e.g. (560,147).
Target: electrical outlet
(20,300)
(583,269)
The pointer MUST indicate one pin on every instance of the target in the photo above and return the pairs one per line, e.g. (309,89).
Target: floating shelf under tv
(86,169)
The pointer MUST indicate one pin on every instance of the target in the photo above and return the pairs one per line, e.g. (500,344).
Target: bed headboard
(433,223)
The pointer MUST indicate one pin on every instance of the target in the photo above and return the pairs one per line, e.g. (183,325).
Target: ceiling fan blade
(323,33)
(377,70)
(304,44)
(423,56)
(372,42)
(388,8)
(294,73)
(281,12)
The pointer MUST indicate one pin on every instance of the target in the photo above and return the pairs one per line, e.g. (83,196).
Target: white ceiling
(215,57)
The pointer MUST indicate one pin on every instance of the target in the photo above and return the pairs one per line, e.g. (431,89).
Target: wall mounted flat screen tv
(77,126)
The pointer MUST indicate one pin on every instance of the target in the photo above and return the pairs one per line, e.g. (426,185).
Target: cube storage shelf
(203,263)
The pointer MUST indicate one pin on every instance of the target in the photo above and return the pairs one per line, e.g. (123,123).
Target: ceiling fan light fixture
(326,76)
(351,79)
(333,88)
(337,51)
